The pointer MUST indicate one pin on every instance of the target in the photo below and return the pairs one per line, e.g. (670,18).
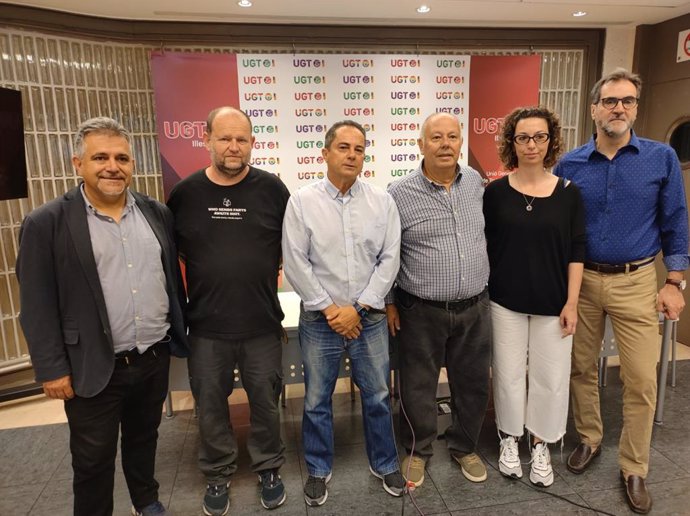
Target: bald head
(225,110)
(433,118)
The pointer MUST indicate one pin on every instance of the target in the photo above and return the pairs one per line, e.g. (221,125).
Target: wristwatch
(363,312)
(681,284)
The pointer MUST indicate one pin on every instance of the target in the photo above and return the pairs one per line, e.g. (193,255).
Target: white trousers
(542,406)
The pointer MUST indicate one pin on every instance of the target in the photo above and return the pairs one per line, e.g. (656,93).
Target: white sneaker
(541,473)
(509,459)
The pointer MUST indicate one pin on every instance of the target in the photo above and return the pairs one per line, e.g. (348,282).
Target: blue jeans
(322,350)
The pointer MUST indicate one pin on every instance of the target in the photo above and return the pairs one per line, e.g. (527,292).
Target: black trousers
(133,402)
(430,337)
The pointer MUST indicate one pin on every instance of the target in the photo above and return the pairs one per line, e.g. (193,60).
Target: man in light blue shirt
(341,252)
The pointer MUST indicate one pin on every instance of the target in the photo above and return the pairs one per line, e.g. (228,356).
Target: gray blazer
(63,312)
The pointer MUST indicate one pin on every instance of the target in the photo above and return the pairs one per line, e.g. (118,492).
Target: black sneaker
(155,508)
(216,499)
(315,492)
(393,483)
(272,489)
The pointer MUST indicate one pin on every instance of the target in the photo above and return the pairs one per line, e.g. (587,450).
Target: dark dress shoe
(636,494)
(581,457)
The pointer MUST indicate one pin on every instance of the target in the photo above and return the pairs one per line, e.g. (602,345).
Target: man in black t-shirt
(228,228)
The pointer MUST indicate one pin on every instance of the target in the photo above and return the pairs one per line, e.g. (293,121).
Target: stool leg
(674,342)
(169,406)
(663,373)
(603,370)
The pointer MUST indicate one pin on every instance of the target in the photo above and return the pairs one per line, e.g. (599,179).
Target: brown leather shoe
(581,457)
(636,494)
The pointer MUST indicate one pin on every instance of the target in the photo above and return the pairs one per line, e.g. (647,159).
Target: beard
(230,171)
(615,132)
(219,163)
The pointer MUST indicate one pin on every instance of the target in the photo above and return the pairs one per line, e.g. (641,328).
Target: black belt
(450,306)
(607,268)
(131,356)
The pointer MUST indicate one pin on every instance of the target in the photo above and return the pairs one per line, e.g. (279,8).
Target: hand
(568,319)
(354,333)
(345,321)
(670,301)
(393,317)
(59,389)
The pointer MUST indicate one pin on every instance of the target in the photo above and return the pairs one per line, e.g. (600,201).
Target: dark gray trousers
(211,370)
(429,338)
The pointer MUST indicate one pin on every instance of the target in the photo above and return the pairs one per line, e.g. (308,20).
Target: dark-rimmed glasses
(611,102)
(539,138)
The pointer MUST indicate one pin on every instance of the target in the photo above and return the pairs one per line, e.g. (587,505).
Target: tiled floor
(35,469)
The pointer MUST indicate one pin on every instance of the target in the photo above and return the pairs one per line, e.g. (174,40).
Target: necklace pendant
(528,207)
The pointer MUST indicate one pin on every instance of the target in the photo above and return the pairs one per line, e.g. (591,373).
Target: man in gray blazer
(101,309)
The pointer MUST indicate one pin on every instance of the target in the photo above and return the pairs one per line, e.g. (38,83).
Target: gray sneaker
(315,490)
(216,500)
(393,483)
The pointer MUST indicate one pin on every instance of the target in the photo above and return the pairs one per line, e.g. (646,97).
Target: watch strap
(363,312)
(680,284)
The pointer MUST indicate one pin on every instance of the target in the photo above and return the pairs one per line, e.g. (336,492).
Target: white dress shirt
(341,248)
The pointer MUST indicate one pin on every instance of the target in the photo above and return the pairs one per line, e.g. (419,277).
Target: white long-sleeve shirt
(341,248)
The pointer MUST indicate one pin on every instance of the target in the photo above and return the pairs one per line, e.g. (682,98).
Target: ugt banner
(292,100)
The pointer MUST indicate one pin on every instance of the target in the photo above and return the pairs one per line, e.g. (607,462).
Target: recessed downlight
(423,9)
(579,14)
(244,3)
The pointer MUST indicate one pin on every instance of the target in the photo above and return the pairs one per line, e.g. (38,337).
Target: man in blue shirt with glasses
(634,207)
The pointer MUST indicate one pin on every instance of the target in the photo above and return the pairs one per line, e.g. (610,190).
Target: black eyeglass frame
(526,138)
(634,101)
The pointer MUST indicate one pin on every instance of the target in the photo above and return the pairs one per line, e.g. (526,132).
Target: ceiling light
(579,14)
(423,9)
(244,3)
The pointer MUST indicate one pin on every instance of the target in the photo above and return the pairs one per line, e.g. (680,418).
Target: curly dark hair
(506,148)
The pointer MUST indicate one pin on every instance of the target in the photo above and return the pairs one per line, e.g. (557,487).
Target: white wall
(619,48)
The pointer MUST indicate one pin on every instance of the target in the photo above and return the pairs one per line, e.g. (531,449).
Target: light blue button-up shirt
(341,248)
(128,259)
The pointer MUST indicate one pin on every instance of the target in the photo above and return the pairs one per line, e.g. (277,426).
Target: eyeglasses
(611,102)
(523,139)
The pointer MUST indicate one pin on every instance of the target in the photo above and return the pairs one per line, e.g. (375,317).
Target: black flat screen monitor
(13,183)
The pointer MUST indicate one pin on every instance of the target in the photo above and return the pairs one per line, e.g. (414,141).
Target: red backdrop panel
(498,84)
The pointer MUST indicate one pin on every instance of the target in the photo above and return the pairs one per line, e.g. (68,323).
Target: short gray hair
(99,125)
(619,74)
